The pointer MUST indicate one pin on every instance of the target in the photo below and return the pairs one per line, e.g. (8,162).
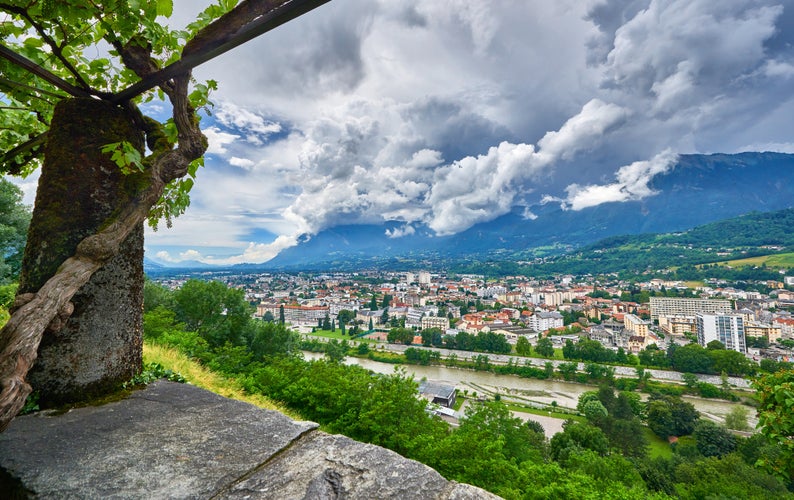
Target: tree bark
(99,346)
(22,334)
(50,306)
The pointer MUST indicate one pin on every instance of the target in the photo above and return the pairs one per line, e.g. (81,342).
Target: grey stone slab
(167,441)
(322,466)
(178,441)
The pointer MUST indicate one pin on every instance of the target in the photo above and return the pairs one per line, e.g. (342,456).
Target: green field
(658,446)
(545,413)
(777,261)
(337,335)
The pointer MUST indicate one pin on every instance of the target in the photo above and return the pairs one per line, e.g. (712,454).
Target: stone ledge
(178,441)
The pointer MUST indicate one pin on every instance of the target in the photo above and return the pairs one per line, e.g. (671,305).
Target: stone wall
(178,441)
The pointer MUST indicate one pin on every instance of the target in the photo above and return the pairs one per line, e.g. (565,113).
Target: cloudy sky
(443,114)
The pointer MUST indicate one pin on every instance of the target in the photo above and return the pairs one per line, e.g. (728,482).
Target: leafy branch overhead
(120,52)
(53,50)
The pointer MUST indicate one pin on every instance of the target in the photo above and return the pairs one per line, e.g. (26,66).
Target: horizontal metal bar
(27,64)
(260,26)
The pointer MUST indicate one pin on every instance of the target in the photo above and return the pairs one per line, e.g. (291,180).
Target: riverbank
(531,392)
(503,359)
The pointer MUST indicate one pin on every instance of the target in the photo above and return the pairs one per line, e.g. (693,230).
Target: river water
(533,392)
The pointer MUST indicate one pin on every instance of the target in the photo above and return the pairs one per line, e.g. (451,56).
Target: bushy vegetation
(691,358)
(14,222)
(605,456)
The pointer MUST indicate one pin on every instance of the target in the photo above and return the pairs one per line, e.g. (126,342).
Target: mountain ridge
(697,190)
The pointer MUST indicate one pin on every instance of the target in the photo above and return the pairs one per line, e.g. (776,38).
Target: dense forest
(602,453)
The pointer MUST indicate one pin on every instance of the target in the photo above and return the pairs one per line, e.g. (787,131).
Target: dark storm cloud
(451,128)
(452,112)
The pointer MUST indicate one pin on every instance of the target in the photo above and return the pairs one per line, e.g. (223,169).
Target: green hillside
(689,255)
(774,261)
(751,235)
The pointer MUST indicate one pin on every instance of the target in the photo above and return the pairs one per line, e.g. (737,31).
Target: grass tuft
(200,376)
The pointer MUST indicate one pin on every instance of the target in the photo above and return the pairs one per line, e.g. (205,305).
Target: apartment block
(542,321)
(294,314)
(636,325)
(786,327)
(677,325)
(772,332)
(727,328)
(435,322)
(670,306)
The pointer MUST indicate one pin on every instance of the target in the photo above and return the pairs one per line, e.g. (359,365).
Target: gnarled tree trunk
(99,346)
(92,355)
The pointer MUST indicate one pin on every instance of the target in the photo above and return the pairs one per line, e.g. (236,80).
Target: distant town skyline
(446,114)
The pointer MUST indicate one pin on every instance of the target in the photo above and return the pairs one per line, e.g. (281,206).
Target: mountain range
(698,190)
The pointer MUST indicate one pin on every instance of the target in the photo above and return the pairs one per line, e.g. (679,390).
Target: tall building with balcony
(542,321)
(434,322)
(727,328)
(670,306)
(636,325)
(677,325)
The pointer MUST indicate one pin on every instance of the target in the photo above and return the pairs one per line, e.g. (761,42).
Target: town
(627,317)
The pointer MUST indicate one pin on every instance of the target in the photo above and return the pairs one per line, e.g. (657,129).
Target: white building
(542,321)
(669,306)
(335,307)
(553,298)
(294,314)
(441,323)
(491,291)
(786,327)
(727,328)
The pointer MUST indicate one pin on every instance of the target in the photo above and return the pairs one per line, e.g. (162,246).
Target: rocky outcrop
(178,441)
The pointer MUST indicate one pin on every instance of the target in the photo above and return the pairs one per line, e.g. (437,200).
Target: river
(533,392)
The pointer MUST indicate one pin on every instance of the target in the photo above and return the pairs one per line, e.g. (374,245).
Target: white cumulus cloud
(241,162)
(399,232)
(218,140)
(631,183)
(454,112)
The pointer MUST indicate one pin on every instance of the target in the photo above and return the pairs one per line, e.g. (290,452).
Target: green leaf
(124,155)
(33,42)
(165,8)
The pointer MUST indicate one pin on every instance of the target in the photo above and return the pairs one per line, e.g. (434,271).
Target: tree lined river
(530,391)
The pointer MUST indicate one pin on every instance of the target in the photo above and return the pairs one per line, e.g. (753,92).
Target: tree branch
(260,21)
(21,336)
(57,50)
(29,150)
(37,70)
(34,90)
